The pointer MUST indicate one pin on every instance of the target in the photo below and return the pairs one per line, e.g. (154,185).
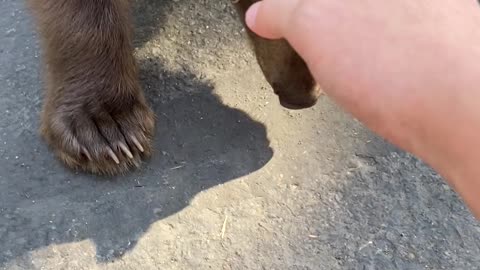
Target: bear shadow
(199,143)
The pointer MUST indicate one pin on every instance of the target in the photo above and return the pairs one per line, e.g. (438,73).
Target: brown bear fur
(95,116)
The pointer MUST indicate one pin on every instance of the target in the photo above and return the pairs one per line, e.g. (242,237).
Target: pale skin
(409,70)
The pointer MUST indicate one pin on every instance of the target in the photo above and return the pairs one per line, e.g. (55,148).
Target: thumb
(269,18)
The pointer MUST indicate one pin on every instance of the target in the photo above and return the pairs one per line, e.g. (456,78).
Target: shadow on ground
(378,207)
(199,143)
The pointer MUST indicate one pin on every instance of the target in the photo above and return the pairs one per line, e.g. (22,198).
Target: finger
(269,18)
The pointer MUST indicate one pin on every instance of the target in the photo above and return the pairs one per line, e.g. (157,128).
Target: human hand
(404,68)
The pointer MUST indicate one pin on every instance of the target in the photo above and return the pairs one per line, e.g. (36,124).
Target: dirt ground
(236,182)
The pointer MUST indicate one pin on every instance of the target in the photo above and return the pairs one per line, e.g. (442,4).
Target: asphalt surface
(236,181)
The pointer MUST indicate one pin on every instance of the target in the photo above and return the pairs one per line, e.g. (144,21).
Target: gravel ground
(236,182)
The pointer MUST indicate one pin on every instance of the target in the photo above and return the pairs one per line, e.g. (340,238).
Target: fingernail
(251,15)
